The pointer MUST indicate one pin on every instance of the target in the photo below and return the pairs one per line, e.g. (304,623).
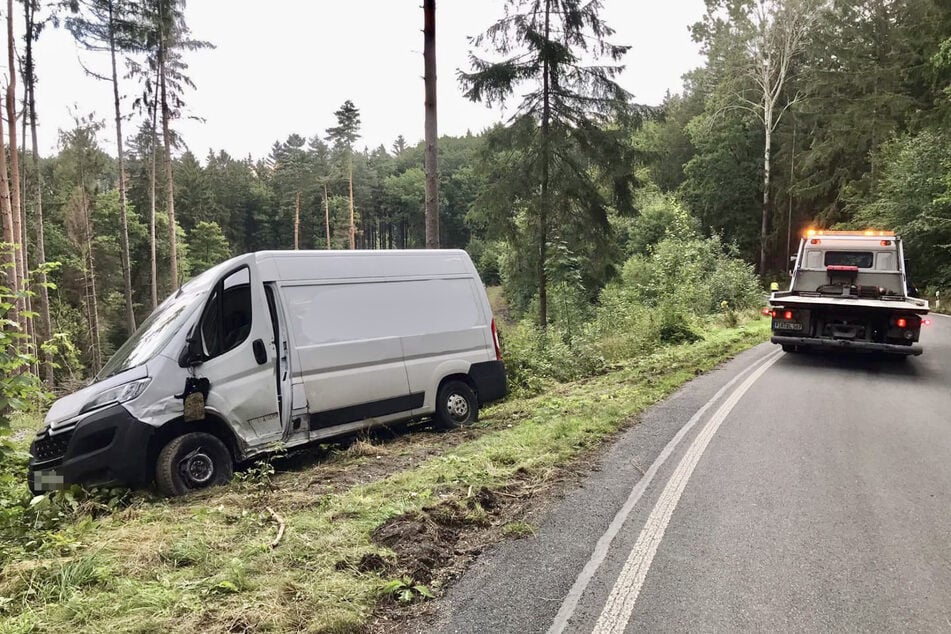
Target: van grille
(49,448)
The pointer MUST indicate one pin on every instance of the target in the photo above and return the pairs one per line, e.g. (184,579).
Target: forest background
(832,114)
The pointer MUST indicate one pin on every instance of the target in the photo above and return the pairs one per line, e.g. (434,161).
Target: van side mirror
(193,353)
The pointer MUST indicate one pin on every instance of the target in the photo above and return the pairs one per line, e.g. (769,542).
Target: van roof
(362,264)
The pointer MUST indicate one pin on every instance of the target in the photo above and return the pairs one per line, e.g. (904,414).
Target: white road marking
(600,552)
(620,604)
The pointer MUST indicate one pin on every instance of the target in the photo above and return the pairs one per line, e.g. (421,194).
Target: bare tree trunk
(24,240)
(42,292)
(123,219)
(90,261)
(9,271)
(297,223)
(353,229)
(327,216)
(15,206)
(432,166)
(152,204)
(546,159)
(169,177)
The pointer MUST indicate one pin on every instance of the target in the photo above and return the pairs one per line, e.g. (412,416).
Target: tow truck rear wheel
(192,461)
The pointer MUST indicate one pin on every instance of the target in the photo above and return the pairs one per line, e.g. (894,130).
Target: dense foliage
(582,200)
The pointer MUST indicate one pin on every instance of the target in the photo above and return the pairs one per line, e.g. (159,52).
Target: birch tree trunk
(327,216)
(353,229)
(297,222)
(764,229)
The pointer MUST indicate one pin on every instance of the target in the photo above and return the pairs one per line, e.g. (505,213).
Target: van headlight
(118,394)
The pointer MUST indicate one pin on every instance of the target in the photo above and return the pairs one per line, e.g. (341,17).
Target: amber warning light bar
(867,232)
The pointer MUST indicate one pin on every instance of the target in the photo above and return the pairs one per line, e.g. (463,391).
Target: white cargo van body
(281,347)
(373,333)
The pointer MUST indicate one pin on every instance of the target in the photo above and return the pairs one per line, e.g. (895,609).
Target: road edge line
(619,606)
(603,545)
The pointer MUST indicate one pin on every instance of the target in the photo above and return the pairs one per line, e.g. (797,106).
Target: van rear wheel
(456,405)
(192,461)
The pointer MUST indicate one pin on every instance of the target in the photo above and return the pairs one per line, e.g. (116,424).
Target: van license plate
(787,325)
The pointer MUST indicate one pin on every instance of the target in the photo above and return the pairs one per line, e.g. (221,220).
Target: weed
(363,447)
(405,590)
(519,529)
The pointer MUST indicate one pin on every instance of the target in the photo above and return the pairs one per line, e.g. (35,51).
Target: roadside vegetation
(330,538)
(616,238)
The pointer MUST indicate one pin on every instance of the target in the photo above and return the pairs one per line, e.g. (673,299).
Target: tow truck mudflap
(914,349)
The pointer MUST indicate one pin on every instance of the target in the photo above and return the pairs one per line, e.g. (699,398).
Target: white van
(277,348)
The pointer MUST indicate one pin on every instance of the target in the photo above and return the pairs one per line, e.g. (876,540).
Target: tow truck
(849,291)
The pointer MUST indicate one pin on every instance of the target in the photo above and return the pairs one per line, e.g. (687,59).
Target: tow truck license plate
(787,325)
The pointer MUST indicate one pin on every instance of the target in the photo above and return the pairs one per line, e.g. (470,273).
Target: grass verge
(207,563)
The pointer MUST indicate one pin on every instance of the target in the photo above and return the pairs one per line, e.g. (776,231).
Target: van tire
(456,405)
(191,462)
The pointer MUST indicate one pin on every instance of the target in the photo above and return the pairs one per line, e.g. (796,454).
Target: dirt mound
(423,541)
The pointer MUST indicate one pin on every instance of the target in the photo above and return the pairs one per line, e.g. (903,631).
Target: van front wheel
(192,461)
(456,405)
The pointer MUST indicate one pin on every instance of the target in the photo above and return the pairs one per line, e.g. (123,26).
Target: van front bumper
(109,447)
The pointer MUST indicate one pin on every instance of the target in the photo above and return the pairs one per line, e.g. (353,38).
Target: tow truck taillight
(925,322)
(901,322)
(787,314)
(495,340)
(766,311)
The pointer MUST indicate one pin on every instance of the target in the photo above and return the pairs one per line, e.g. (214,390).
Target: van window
(226,322)
(861,259)
(337,313)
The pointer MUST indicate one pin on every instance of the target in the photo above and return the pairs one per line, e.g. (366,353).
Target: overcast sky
(285,66)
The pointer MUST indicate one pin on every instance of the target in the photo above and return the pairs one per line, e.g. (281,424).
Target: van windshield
(162,324)
(153,334)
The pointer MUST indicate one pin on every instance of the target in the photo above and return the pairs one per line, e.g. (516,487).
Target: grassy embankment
(364,524)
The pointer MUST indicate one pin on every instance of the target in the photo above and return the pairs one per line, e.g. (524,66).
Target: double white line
(620,604)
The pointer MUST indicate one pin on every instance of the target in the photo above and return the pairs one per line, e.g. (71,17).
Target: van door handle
(260,352)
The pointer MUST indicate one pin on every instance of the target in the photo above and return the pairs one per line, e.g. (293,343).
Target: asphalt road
(781,492)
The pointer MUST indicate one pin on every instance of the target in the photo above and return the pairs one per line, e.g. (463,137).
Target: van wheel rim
(458,407)
(197,468)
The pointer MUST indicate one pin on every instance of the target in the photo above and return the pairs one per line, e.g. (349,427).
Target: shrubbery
(664,297)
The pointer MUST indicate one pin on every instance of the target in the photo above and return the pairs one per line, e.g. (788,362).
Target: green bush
(675,324)
(487,259)
(695,273)
(535,358)
(663,297)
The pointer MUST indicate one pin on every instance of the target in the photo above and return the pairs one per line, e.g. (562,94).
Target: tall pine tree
(565,128)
